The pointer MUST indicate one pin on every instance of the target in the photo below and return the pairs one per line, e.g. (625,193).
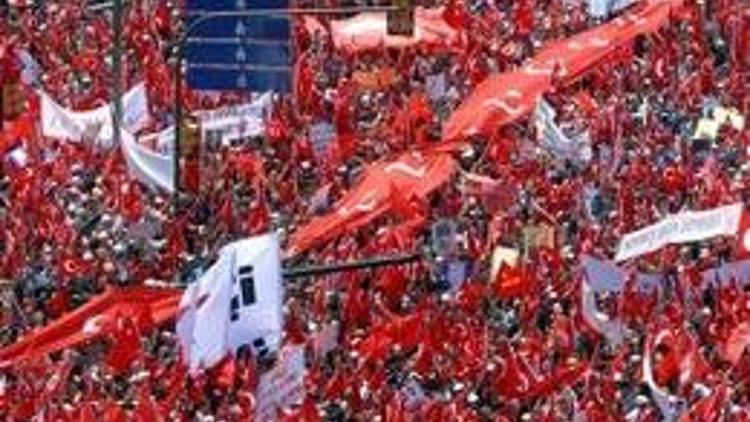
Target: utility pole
(117,14)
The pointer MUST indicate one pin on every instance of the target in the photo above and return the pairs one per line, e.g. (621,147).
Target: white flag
(204,310)
(283,385)
(237,302)
(150,167)
(257,295)
(575,148)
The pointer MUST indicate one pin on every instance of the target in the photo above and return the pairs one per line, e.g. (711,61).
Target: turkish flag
(743,236)
(512,282)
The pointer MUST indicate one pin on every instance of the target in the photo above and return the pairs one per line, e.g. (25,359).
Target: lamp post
(117,13)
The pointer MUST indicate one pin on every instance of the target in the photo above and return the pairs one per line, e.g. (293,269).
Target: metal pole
(295,11)
(117,69)
(350,266)
(178,119)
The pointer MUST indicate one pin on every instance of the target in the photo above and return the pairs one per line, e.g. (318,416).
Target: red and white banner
(504,98)
(411,175)
(147,306)
(690,226)
(368,31)
(236,122)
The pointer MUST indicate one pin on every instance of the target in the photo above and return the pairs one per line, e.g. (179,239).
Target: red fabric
(512,282)
(126,343)
(743,236)
(505,98)
(147,410)
(367,31)
(412,174)
(738,341)
(68,331)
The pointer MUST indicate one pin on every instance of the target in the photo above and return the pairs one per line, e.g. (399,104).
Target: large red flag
(367,31)
(505,98)
(414,175)
(153,307)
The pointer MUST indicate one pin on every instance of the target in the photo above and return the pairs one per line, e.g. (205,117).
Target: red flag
(512,282)
(126,347)
(413,174)
(86,322)
(737,343)
(743,235)
(708,408)
(147,410)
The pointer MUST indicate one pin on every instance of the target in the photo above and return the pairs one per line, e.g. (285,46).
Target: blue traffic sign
(227,52)
(198,6)
(263,28)
(238,52)
(232,78)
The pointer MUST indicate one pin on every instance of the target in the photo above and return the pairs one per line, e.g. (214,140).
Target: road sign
(238,52)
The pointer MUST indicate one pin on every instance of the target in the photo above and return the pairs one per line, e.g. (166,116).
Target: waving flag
(412,174)
(236,303)
(368,31)
(505,98)
(149,306)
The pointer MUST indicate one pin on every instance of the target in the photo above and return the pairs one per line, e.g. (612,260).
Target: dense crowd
(74,222)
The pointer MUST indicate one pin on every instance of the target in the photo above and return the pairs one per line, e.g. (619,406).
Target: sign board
(321,135)
(444,238)
(325,340)
(401,20)
(239,52)
(283,385)
(534,237)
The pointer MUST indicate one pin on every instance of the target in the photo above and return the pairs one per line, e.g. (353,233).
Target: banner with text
(690,226)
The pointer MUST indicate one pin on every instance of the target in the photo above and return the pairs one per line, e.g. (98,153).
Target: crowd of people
(74,223)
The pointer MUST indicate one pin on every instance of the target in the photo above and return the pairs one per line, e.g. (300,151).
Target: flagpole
(364,264)
(117,70)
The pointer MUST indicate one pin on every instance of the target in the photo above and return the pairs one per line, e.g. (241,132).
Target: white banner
(607,277)
(602,8)
(283,385)
(203,316)
(690,226)
(30,68)
(237,302)
(257,294)
(610,328)
(236,122)
(149,167)
(59,122)
(553,139)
